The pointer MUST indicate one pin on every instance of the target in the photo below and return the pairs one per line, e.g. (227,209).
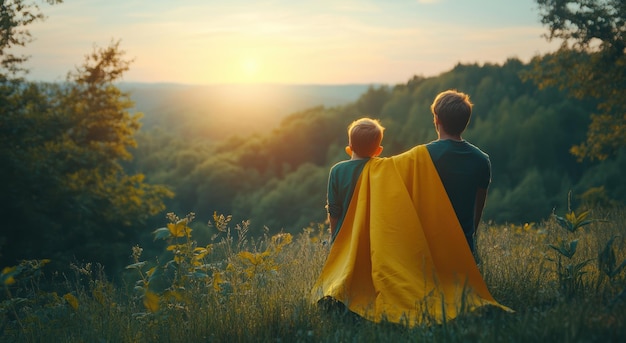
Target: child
(364,137)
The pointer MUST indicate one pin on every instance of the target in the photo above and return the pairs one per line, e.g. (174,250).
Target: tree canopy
(591,63)
(15,16)
(65,193)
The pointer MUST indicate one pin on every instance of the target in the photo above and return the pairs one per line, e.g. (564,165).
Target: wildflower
(71,300)
(7,275)
(151,301)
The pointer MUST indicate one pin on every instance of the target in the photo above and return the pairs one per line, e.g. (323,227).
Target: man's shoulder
(477,150)
(347,164)
(442,145)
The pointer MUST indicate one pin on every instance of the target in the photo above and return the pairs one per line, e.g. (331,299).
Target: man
(464,169)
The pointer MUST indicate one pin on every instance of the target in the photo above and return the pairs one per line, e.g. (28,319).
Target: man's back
(463,169)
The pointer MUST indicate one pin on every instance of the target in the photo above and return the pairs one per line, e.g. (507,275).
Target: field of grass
(564,277)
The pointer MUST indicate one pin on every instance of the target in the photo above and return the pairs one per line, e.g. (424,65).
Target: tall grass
(240,289)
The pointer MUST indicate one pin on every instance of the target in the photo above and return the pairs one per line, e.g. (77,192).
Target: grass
(257,290)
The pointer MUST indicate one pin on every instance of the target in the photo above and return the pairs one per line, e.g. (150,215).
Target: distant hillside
(219,111)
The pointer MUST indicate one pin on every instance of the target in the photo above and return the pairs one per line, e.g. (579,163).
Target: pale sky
(286,41)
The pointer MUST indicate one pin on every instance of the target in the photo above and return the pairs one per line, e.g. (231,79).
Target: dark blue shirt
(342,180)
(463,169)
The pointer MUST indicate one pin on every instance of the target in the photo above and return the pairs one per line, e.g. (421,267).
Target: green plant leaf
(564,223)
(158,281)
(619,268)
(137,265)
(567,249)
(161,233)
(606,258)
(575,270)
(200,275)
(572,247)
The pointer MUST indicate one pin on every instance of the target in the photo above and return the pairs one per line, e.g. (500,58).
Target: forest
(91,177)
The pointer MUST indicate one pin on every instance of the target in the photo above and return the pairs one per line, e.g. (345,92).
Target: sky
(286,41)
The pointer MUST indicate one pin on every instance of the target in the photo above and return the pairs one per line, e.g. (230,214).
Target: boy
(364,138)
(464,169)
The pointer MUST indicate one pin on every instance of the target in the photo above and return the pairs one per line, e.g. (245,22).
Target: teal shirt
(463,169)
(342,180)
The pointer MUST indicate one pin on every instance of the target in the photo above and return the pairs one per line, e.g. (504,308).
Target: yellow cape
(401,255)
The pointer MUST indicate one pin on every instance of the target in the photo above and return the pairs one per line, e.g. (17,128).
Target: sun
(250,68)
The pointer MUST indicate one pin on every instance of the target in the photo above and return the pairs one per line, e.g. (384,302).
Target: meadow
(564,277)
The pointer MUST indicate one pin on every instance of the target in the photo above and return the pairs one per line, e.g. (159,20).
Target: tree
(15,15)
(64,192)
(591,63)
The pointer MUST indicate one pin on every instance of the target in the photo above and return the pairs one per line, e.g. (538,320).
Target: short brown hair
(453,109)
(365,136)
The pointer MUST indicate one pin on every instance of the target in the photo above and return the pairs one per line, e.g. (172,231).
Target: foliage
(571,273)
(66,195)
(175,283)
(263,289)
(15,16)
(590,63)
(572,222)
(607,260)
(276,204)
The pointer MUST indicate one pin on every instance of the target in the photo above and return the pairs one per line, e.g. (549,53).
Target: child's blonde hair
(365,136)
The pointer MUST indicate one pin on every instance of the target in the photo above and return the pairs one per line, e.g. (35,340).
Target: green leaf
(137,265)
(576,269)
(161,233)
(606,258)
(607,261)
(564,223)
(200,275)
(159,281)
(157,272)
(619,269)
(567,249)
(572,247)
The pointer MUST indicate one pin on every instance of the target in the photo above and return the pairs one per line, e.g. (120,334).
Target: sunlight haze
(286,42)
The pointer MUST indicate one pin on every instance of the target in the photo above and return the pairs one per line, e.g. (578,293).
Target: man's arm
(481,198)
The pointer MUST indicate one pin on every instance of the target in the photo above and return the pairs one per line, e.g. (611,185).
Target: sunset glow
(285,42)
(250,69)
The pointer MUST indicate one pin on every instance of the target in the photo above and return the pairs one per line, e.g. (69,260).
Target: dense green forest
(278,179)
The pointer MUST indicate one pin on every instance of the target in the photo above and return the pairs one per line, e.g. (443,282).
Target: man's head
(452,109)
(365,136)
